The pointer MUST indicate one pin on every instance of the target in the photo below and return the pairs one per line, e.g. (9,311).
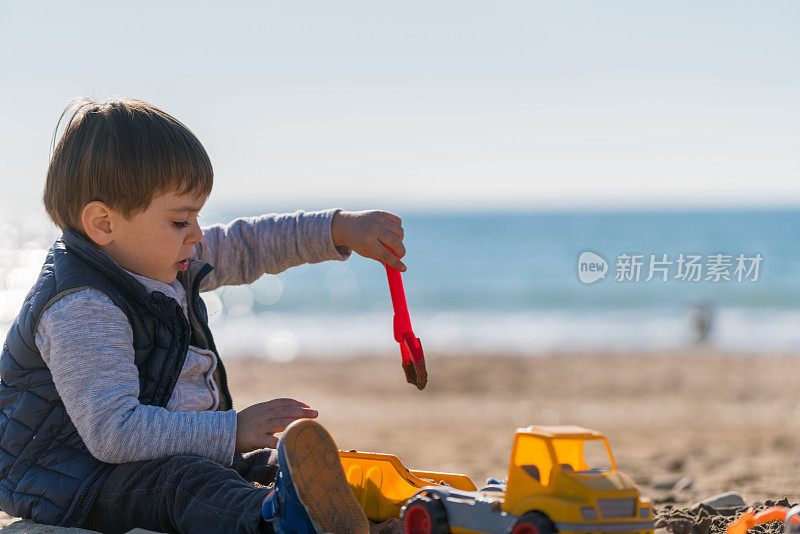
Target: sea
(521,283)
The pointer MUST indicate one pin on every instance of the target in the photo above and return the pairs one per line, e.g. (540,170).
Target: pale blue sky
(452,104)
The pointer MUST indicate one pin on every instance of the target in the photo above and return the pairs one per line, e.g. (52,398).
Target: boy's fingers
(295,412)
(391,260)
(392,217)
(277,403)
(396,229)
(394,243)
(270,442)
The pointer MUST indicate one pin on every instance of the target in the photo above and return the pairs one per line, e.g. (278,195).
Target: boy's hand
(256,424)
(366,232)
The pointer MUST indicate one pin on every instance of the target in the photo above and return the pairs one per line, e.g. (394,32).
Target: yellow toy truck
(560,479)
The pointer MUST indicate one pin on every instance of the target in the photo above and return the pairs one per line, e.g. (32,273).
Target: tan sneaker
(318,478)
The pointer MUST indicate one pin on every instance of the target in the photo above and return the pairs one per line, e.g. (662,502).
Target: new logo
(591,267)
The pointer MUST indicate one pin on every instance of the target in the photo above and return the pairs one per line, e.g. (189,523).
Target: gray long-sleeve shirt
(87,343)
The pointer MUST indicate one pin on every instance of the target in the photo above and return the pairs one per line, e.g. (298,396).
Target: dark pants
(185,494)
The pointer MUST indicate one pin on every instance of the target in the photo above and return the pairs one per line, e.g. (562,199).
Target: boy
(114,405)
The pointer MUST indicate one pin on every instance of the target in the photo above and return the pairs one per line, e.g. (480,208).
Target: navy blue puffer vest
(46,472)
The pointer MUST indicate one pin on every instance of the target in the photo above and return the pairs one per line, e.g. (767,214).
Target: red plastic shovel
(410,346)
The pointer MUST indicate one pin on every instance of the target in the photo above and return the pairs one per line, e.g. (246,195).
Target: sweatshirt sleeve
(246,248)
(87,343)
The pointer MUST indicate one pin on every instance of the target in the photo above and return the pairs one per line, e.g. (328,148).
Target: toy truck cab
(560,479)
(568,474)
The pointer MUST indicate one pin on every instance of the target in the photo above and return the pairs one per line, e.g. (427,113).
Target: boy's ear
(96,218)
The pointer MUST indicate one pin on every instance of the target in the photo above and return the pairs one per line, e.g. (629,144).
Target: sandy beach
(727,422)
(707,422)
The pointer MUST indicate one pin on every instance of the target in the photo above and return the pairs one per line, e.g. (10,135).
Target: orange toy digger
(790,518)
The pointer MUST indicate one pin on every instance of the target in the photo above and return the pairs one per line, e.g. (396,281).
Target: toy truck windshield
(583,456)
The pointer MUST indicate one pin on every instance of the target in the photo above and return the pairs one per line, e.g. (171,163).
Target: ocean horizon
(511,283)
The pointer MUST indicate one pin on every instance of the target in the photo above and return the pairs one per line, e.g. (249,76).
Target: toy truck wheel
(533,523)
(424,514)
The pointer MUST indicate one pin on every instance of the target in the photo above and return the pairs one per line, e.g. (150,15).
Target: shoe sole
(319,480)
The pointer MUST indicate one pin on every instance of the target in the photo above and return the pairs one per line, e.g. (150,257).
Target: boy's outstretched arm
(246,248)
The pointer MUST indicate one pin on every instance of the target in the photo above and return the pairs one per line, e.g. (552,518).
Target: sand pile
(705,519)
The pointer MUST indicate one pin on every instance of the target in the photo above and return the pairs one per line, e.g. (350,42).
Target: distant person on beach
(701,319)
(115,411)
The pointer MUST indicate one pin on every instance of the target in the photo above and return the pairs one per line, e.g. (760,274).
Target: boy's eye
(180,224)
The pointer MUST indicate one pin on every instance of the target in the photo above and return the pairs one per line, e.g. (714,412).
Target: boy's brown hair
(123,152)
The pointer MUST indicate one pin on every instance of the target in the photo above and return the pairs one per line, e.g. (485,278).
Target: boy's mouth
(183,264)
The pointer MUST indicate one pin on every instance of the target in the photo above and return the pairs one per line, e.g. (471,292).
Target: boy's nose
(195,235)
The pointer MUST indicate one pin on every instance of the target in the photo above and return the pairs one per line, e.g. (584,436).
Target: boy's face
(157,242)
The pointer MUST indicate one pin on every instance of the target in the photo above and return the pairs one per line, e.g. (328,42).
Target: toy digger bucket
(750,519)
(382,484)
